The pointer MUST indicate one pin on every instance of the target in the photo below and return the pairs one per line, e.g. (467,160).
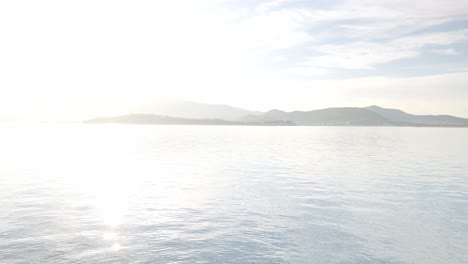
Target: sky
(64,60)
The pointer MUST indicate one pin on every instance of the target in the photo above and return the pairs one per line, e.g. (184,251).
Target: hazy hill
(190,113)
(367,116)
(166,120)
(186,109)
(330,116)
(399,116)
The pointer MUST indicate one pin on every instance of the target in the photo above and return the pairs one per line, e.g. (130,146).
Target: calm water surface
(204,194)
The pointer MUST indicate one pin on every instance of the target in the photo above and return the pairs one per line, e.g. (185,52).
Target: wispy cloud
(307,71)
(445,52)
(386,19)
(271,31)
(359,34)
(365,55)
(265,7)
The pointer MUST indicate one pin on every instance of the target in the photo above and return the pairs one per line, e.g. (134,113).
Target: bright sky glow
(66,60)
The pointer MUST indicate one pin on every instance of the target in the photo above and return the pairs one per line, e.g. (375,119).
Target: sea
(233,194)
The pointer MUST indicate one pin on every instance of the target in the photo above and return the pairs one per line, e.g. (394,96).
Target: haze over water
(204,194)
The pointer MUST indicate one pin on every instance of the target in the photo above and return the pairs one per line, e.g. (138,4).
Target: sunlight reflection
(115,246)
(110,176)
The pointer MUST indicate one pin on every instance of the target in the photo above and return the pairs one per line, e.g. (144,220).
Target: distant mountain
(190,113)
(404,118)
(329,117)
(367,116)
(166,120)
(187,109)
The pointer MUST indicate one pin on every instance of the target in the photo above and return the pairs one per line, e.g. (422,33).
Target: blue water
(205,194)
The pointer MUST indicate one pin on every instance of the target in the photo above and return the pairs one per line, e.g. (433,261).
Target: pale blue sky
(69,59)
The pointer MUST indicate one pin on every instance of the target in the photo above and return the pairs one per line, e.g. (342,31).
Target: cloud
(271,31)
(386,18)
(366,55)
(449,52)
(265,7)
(351,34)
(307,71)
(367,33)
(358,55)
